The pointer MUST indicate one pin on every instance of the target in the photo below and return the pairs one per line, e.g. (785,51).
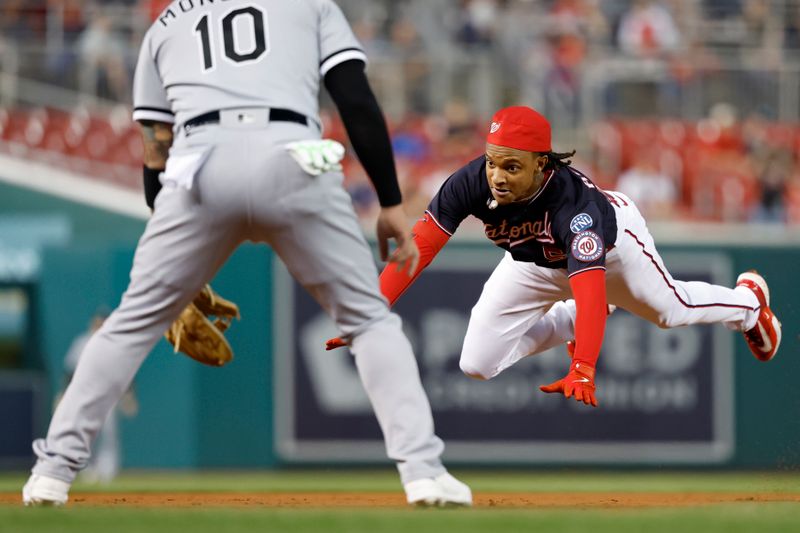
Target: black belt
(276,114)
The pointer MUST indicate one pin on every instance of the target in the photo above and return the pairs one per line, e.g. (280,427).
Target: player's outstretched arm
(362,117)
(589,290)
(428,238)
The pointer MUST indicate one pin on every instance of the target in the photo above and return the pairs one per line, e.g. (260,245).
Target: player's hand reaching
(332,344)
(578,382)
(393,224)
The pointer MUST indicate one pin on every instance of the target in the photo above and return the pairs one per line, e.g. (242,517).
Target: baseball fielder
(571,250)
(236,82)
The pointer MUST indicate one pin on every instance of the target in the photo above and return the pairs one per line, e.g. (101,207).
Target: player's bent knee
(474,371)
(666,321)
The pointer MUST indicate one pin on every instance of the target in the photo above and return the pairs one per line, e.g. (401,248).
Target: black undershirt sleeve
(348,86)
(151,186)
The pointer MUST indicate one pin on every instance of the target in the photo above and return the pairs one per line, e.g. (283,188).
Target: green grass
(723,518)
(729,517)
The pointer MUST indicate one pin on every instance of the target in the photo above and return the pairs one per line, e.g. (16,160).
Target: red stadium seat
(127,150)
(14,127)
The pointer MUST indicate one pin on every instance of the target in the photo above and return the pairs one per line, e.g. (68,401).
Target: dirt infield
(366,500)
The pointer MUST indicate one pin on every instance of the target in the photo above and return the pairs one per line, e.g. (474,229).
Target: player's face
(513,175)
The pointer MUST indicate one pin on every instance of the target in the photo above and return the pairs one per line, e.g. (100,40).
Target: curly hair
(556,160)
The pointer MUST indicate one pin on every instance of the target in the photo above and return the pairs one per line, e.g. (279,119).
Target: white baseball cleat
(45,491)
(765,337)
(441,491)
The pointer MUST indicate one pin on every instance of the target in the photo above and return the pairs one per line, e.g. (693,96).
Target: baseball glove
(194,334)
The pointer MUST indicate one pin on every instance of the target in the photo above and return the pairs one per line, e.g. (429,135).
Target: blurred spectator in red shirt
(648,29)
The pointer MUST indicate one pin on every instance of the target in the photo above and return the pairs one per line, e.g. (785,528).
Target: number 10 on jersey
(244,36)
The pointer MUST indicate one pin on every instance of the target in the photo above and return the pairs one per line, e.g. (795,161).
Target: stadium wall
(195,417)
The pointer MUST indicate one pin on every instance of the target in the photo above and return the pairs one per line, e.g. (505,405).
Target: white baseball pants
(520,311)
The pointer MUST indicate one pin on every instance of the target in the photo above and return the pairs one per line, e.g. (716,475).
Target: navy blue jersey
(569,223)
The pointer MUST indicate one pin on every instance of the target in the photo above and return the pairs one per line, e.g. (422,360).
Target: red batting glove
(332,344)
(579,381)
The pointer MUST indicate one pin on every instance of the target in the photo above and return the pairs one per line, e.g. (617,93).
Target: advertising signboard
(666,396)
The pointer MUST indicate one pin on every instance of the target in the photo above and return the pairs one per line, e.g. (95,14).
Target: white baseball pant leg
(520,312)
(638,281)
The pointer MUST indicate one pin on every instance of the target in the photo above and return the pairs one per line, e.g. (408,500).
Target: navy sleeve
(453,203)
(582,233)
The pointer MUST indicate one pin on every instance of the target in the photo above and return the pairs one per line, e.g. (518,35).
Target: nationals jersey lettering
(569,223)
(519,233)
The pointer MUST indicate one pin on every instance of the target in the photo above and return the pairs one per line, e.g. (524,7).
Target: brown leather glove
(195,335)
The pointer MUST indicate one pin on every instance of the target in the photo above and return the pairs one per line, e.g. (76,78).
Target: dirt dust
(513,500)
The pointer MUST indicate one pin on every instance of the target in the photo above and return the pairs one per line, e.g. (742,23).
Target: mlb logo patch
(580,222)
(587,246)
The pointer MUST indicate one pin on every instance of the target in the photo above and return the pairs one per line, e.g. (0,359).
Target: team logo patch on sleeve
(587,246)
(580,222)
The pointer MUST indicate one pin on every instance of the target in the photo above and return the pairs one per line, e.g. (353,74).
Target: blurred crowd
(537,51)
(719,168)
(543,52)
(89,45)
(689,106)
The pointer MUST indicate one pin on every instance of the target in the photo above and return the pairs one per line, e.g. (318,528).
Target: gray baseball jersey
(200,56)
(233,180)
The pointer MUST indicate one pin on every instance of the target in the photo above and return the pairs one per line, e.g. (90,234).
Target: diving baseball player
(565,239)
(236,84)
